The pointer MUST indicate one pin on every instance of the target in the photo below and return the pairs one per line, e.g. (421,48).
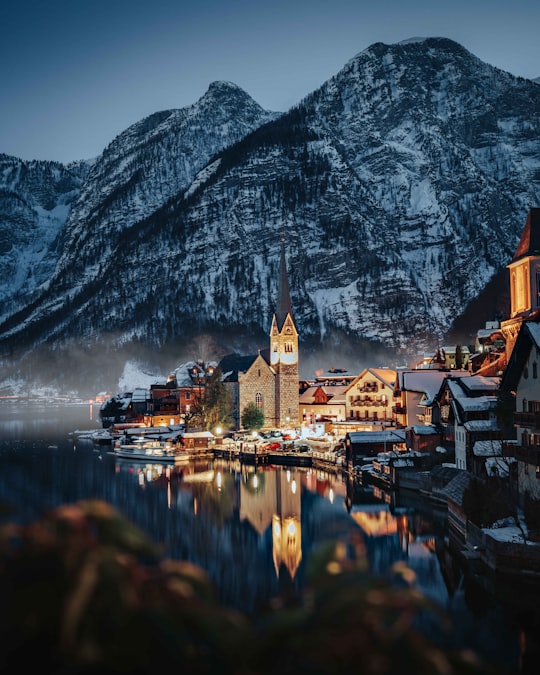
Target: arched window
(259,400)
(524,409)
(535,370)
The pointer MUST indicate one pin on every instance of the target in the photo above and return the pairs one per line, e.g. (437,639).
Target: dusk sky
(76,73)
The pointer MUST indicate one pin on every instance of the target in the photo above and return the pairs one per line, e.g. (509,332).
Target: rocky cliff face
(401,185)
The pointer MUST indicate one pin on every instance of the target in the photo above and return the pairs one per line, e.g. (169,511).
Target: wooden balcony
(530,454)
(530,420)
(368,403)
(399,410)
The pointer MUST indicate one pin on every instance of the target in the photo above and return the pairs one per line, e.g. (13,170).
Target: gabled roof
(529,244)
(423,381)
(385,375)
(527,339)
(335,393)
(284,306)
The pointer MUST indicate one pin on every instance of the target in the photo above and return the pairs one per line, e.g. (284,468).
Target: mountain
(35,200)
(401,186)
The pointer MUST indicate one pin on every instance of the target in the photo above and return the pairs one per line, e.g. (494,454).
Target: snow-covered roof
(481,425)
(140,395)
(335,393)
(424,429)
(478,403)
(386,375)
(487,449)
(425,381)
(534,330)
(499,466)
(482,383)
(397,436)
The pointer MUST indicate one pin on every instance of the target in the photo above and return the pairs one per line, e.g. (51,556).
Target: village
(462,426)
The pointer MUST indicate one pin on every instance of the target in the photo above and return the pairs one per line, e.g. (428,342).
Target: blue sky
(76,73)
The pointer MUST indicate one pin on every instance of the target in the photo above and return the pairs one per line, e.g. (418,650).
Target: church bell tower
(284,352)
(524,269)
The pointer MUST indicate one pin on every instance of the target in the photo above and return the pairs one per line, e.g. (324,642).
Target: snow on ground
(134,376)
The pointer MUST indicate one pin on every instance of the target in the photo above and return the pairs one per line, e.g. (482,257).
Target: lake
(230,519)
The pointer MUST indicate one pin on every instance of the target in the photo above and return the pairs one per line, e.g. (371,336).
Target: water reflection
(254,530)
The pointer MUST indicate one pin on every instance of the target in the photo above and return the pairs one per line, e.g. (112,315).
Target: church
(270,378)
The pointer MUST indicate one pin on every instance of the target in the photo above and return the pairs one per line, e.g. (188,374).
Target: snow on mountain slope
(402,186)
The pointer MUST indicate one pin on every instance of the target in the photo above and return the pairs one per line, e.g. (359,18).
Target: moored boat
(151,450)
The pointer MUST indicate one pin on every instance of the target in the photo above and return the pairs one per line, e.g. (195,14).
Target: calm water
(227,518)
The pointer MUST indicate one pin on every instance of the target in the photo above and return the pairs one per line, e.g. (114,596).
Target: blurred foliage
(84,591)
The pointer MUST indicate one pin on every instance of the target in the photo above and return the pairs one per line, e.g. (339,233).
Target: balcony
(530,420)
(399,410)
(530,454)
(367,403)
(368,388)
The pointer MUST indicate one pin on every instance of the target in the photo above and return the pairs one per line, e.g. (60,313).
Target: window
(524,408)
(535,370)
(259,400)
(188,395)
(526,372)
(289,347)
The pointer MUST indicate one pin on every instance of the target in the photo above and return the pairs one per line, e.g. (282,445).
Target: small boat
(150,450)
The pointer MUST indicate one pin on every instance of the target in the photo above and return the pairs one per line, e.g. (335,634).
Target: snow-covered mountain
(35,200)
(402,186)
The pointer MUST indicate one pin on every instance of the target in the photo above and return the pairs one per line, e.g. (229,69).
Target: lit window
(258,400)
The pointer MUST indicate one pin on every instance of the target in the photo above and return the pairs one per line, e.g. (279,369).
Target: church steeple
(284,296)
(284,351)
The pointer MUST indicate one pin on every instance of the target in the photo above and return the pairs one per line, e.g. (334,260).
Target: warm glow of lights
(288,476)
(254,434)
(169,495)
(168,472)
(331,496)
(195,506)
(141,478)
(149,475)
(219,480)
(218,431)
(277,529)
(293,487)
(291,528)
(255,481)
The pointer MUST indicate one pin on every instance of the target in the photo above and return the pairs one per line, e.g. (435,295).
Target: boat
(150,450)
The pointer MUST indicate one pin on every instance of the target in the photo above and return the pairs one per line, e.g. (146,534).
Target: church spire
(284,306)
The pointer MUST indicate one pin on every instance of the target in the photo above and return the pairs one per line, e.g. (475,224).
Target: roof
(529,244)
(477,403)
(140,395)
(284,297)
(232,364)
(335,393)
(386,375)
(482,425)
(425,381)
(528,337)
(456,487)
(487,449)
(424,430)
(367,437)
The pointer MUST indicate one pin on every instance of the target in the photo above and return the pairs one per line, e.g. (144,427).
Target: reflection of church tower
(286,523)
(284,352)
(524,271)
